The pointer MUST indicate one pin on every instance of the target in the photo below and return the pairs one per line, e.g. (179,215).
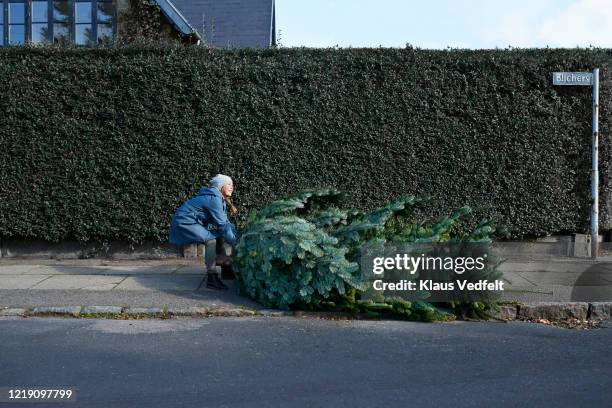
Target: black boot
(211,282)
(219,282)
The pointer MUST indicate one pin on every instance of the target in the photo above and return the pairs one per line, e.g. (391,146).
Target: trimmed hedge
(104,144)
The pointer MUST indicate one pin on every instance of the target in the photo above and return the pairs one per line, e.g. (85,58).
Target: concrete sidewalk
(558,280)
(173,283)
(127,283)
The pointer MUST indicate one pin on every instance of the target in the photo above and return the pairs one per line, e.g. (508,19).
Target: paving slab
(515,279)
(141,270)
(17,269)
(144,298)
(554,266)
(85,282)
(568,278)
(561,293)
(598,293)
(21,281)
(67,270)
(191,270)
(527,296)
(160,282)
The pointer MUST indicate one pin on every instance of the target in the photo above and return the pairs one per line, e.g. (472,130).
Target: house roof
(175,17)
(230,23)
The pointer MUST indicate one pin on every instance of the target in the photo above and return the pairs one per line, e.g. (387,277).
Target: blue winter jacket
(201,219)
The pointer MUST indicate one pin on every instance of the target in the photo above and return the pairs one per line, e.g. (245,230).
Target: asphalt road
(288,362)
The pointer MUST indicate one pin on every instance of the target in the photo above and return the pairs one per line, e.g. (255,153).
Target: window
(40,21)
(104,18)
(61,13)
(16,22)
(1,25)
(83,22)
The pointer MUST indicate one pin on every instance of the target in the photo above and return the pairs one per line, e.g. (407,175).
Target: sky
(439,24)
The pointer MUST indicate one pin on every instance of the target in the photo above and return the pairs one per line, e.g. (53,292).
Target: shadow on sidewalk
(104,282)
(594,284)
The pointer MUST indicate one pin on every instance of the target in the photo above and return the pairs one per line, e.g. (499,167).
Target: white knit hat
(220,180)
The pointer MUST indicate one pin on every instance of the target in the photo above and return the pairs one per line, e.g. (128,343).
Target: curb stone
(118,311)
(274,313)
(322,315)
(230,311)
(101,309)
(16,311)
(595,311)
(56,310)
(144,311)
(211,312)
(554,311)
(601,310)
(508,312)
(186,311)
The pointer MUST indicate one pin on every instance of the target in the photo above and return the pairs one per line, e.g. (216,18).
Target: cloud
(583,23)
(514,30)
(577,23)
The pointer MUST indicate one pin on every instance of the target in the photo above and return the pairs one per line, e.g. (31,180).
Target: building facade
(219,23)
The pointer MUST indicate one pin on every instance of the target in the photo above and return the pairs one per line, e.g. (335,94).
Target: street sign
(573,78)
(589,79)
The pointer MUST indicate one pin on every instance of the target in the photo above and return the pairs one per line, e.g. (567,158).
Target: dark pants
(212,248)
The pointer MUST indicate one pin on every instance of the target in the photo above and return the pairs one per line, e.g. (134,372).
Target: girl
(202,219)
